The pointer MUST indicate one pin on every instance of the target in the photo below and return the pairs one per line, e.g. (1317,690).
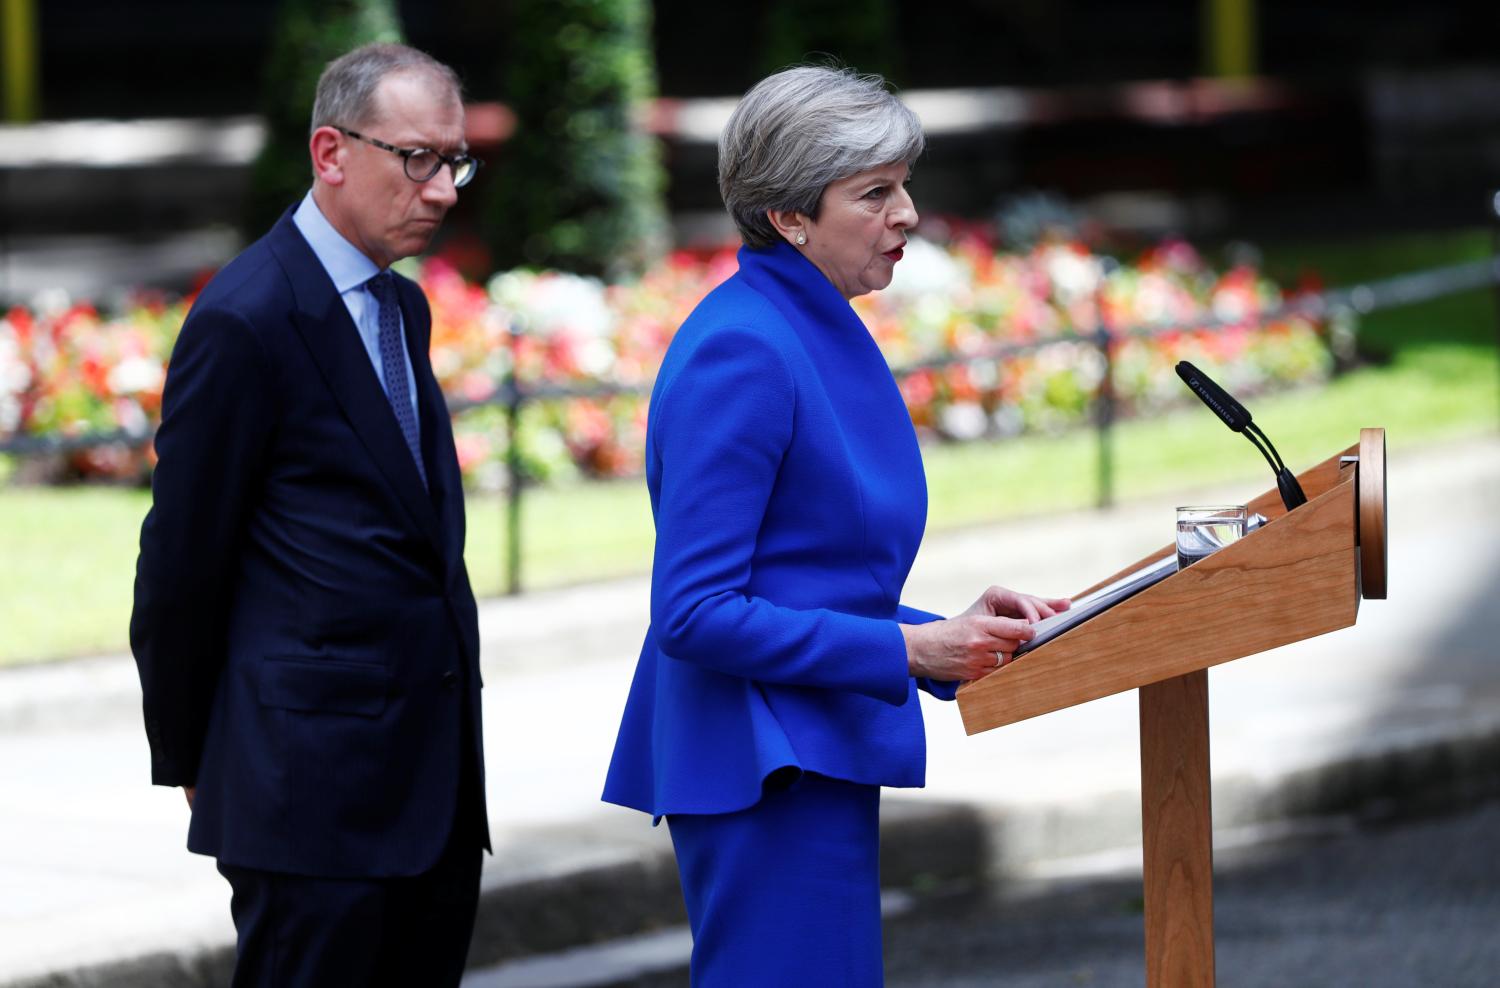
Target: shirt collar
(346,265)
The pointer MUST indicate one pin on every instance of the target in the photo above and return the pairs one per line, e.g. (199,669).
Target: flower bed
(1003,343)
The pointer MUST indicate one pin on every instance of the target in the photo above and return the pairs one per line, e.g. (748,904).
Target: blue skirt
(786,892)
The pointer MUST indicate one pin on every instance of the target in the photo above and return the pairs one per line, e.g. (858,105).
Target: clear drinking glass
(1204,529)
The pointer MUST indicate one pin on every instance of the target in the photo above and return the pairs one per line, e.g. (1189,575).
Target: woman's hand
(981,639)
(964,647)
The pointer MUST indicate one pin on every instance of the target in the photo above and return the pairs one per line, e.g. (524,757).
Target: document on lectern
(1102,599)
(1108,596)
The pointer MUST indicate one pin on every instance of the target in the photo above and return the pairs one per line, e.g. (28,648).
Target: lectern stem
(1177,831)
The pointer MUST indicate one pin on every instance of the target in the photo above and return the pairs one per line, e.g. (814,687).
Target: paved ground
(91,856)
(1357,906)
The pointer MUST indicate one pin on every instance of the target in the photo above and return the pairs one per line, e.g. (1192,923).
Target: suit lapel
(329,333)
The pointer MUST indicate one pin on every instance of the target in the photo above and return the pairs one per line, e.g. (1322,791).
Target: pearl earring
(801,238)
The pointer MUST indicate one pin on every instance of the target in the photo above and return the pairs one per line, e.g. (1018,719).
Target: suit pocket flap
(324,685)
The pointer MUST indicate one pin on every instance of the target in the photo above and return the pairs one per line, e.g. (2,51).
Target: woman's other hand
(1004,602)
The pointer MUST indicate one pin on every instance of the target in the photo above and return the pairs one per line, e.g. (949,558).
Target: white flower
(596,357)
(1230,306)
(984,374)
(15,376)
(1008,421)
(925,269)
(135,375)
(1073,275)
(554,301)
(508,288)
(1153,299)
(131,417)
(963,420)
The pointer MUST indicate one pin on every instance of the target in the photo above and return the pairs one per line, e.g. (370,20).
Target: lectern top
(1295,577)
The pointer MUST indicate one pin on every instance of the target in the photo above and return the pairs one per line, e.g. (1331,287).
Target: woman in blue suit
(776,690)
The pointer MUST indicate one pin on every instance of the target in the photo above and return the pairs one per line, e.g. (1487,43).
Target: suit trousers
(786,892)
(296,931)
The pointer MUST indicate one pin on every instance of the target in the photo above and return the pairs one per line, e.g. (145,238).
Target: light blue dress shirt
(350,269)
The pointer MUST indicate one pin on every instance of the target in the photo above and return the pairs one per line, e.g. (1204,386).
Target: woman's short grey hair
(346,89)
(801,129)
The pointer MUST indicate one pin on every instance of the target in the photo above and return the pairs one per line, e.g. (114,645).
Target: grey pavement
(1360,904)
(93,870)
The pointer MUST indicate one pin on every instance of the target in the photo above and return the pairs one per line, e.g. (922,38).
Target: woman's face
(860,230)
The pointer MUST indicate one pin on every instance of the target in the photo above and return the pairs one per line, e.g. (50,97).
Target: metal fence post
(1104,411)
(514,472)
(1105,421)
(1495,259)
(5,258)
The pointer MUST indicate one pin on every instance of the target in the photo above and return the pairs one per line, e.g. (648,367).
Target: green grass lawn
(67,562)
(67,555)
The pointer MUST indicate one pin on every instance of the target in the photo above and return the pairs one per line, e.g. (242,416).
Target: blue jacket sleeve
(915,615)
(215,427)
(722,424)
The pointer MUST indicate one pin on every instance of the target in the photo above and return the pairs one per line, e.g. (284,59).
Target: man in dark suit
(307,639)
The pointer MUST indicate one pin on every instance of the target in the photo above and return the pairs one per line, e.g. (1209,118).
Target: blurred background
(1301,198)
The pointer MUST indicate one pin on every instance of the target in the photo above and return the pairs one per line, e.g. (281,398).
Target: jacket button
(450,680)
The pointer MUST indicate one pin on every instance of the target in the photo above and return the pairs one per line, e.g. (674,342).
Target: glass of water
(1204,529)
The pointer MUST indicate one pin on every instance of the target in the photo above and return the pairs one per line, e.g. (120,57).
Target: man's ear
(328,150)
(789,223)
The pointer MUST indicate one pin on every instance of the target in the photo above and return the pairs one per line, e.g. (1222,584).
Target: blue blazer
(307,640)
(789,500)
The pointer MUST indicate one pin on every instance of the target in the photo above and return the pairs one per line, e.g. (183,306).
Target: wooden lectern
(1300,575)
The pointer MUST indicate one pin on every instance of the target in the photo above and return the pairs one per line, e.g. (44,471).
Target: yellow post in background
(19,56)
(1229,40)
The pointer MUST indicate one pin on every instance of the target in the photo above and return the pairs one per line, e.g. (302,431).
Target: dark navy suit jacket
(789,500)
(304,628)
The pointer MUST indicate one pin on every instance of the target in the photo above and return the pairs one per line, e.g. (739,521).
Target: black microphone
(1237,417)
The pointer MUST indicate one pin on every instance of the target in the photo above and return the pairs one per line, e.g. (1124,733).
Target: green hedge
(580,185)
(308,35)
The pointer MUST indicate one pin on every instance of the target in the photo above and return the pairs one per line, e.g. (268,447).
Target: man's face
(387,215)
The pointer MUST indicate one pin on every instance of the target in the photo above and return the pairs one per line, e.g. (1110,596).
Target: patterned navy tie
(397,389)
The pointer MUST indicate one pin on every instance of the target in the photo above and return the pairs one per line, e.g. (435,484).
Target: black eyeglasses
(423,163)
